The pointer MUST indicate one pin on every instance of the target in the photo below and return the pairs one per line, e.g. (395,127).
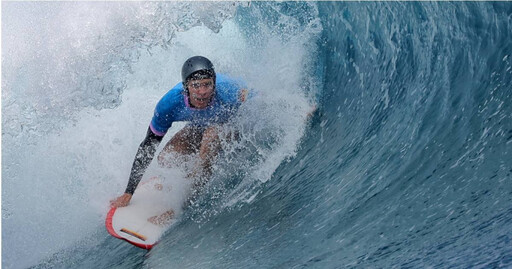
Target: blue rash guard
(174,106)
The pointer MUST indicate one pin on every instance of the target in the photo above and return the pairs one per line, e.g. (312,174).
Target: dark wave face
(406,162)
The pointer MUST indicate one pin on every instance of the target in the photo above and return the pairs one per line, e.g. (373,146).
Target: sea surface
(379,134)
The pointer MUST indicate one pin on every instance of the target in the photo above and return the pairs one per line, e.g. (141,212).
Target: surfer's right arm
(142,160)
(161,122)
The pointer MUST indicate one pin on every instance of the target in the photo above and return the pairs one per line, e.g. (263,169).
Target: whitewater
(406,161)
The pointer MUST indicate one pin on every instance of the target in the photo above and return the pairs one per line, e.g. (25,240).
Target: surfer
(206,101)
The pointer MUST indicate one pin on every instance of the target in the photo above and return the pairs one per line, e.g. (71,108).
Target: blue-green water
(406,163)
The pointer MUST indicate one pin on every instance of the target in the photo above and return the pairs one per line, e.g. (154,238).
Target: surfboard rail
(112,231)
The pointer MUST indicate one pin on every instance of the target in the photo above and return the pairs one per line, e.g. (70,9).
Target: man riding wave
(206,101)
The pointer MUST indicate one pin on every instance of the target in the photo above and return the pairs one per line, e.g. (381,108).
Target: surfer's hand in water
(311,111)
(121,201)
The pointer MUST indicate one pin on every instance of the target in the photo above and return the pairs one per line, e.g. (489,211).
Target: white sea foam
(80,83)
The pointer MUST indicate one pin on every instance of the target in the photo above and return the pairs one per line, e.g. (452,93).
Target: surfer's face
(200,92)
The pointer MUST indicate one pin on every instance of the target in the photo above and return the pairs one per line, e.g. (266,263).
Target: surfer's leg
(184,142)
(209,148)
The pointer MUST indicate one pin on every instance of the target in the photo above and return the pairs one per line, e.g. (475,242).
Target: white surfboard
(131,223)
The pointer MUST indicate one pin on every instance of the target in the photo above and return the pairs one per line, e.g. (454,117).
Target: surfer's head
(198,77)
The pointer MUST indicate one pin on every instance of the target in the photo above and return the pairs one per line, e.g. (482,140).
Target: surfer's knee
(211,138)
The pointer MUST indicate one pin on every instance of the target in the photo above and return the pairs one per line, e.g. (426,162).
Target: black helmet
(199,67)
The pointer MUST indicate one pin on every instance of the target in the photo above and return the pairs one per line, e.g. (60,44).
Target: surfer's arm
(143,158)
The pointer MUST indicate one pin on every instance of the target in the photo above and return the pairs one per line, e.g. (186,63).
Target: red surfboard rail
(112,231)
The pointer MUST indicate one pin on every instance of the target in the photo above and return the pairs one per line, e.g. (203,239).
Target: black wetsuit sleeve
(143,158)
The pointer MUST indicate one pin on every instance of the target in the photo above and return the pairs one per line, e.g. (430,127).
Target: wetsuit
(174,106)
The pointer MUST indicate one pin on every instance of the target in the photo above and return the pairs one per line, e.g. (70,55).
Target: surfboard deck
(131,223)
